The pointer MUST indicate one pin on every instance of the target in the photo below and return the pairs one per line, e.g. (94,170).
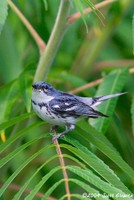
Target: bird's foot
(53,128)
(55,137)
(61,135)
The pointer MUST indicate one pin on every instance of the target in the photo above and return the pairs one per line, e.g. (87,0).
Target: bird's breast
(45,113)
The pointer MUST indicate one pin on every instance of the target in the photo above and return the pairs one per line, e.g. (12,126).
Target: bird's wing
(72,106)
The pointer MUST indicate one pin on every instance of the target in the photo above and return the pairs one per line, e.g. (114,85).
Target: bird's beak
(33,87)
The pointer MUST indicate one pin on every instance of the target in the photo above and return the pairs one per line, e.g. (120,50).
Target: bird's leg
(53,128)
(69,128)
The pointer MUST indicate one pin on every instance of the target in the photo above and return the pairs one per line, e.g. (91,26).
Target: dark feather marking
(95,99)
(81,108)
(34,102)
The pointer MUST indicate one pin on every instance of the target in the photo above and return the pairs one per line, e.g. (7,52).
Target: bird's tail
(97,114)
(98,100)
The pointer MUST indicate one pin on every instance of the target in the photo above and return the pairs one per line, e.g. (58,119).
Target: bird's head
(43,90)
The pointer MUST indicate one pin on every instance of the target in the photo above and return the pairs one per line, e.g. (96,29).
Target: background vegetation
(88,55)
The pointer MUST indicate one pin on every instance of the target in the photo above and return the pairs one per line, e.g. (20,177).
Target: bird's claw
(55,137)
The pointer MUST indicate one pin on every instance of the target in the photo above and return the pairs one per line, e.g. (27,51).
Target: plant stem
(58,31)
(63,168)
(40,43)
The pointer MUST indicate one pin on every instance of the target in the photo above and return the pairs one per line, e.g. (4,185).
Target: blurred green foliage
(99,160)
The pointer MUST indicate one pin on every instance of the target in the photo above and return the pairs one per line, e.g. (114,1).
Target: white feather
(72,108)
(56,106)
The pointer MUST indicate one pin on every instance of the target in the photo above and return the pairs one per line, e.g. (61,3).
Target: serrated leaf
(95,180)
(96,164)
(86,188)
(113,83)
(22,189)
(40,184)
(22,166)
(3,13)
(14,153)
(90,134)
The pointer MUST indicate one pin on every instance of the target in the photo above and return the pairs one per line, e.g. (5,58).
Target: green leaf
(96,164)
(3,13)
(113,83)
(15,120)
(94,180)
(51,189)
(40,184)
(76,196)
(10,60)
(81,9)
(81,6)
(22,189)
(132,113)
(23,165)
(11,155)
(45,4)
(26,90)
(133,32)
(90,134)
(86,188)
(89,190)
(9,95)
(8,142)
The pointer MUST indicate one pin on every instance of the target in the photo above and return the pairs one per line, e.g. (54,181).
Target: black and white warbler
(63,109)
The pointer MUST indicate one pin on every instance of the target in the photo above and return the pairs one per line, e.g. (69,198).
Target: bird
(60,108)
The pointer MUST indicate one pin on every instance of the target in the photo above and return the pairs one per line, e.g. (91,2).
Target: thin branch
(114,63)
(86,86)
(77,15)
(93,83)
(63,168)
(15,187)
(54,41)
(40,43)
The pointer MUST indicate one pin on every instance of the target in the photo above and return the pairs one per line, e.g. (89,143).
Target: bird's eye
(46,88)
